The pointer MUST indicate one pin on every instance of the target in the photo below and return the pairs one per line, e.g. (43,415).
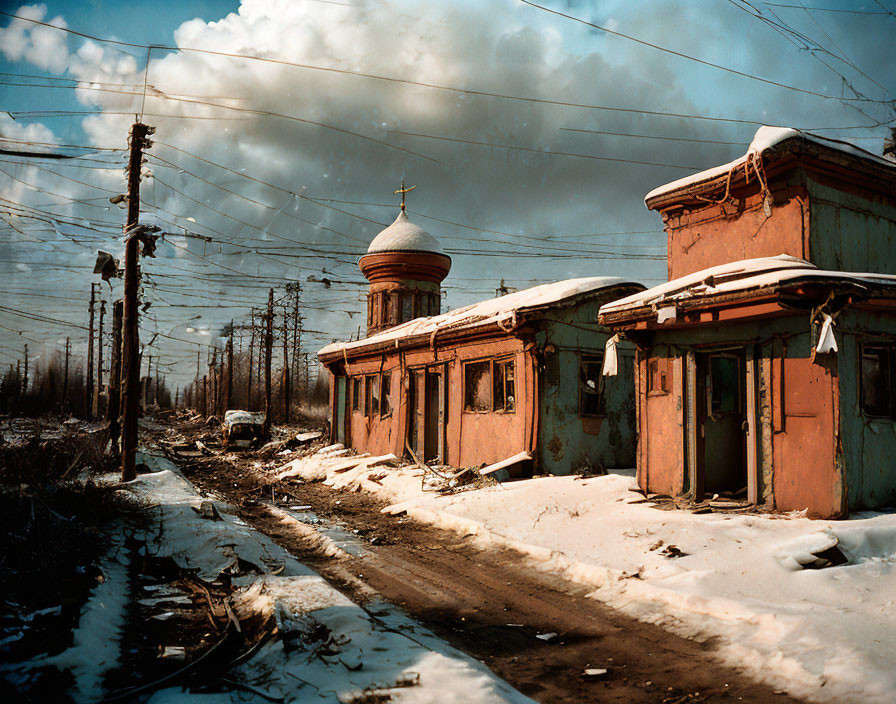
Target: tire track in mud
(489,604)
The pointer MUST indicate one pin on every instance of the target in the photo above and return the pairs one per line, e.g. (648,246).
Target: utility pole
(148,380)
(25,379)
(130,363)
(251,356)
(68,349)
(268,349)
(89,377)
(204,395)
(99,363)
(155,393)
(229,370)
(285,380)
(113,408)
(213,380)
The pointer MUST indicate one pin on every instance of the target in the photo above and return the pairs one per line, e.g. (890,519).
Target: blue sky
(311,156)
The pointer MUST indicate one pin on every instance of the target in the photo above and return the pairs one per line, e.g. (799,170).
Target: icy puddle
(335,534)
(325,647)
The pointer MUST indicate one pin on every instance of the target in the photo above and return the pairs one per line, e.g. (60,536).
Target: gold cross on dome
(404,191)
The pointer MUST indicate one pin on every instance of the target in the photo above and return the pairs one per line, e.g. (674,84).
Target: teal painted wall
(851,233)
(568,442)
(869,444)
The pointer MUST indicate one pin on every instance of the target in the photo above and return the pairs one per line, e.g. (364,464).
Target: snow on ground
(379,649)
(827,635)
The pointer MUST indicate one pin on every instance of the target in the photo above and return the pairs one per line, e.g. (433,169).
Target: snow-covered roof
(766,138)
(494,310)
(404,236)
(743,275)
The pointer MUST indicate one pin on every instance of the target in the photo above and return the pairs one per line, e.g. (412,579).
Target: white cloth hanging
(611,360)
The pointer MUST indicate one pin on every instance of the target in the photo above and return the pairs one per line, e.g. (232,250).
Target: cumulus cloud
(44,47)
(346,137)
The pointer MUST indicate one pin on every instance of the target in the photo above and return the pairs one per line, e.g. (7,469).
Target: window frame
(889,353)
(491,364)
(659,369)
(591,359)
(356,394)
(385,394)
(503,363)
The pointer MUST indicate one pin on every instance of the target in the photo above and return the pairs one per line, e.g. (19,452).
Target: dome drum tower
(405,266)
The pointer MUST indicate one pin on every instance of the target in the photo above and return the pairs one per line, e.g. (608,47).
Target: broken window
(877,375)
(386,407)
(658,377)
(393,308)
(591,385)
(374,394)
(477,383)
(503,391)
(407,307)
(424,305)
(434,302)
(384,308)
(356,393)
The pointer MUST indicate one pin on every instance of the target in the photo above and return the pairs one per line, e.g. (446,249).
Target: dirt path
(489,604)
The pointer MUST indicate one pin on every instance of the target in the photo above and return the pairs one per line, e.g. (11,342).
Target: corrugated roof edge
(737,276)
(766,138)
(486,312)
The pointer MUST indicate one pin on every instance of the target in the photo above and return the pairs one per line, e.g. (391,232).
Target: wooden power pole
(268,349)
(113,408)
(90,367)
(229,400)
(98,390)
(285,381)
(25,378)
(251,356)
(68,351)
(130,357)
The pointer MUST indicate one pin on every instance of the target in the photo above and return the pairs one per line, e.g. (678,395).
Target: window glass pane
(424,305)
(498,387)
(374,394)
(591,385)
(509,392)
(393,308)
(368,393)
(477,379)
(725,380)
(407,307)
(434,303)
(386,394)
(875,381)
(356,394)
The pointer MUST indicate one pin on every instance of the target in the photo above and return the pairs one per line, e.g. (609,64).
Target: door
(341,406)
(433,412)
(415,411)
(722,424)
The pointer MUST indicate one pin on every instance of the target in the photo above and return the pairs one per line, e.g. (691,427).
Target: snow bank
(823,634)
(374,648)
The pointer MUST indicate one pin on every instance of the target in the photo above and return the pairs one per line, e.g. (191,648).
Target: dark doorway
(722,424)
(434,412)
(415,411)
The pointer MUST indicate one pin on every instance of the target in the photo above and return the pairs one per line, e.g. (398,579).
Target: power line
(685,56)
(422,84)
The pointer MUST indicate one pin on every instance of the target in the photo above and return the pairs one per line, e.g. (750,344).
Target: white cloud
(44,47)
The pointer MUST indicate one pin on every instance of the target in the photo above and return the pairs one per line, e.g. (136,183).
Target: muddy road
(489,604)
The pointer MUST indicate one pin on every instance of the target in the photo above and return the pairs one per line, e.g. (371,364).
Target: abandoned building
(765,372)
(512,382)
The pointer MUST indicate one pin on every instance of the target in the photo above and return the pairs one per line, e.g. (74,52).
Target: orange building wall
(706,237)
